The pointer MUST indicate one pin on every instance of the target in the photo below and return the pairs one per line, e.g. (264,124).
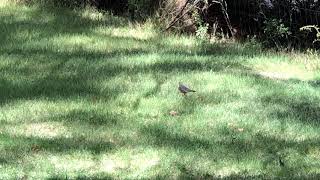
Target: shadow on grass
(47,88)
(65,81)
(3,160)
(83,177)
(79,53)
(228,50)
(232,143)
(60,81)
(305,108)
(80,83)
(162,138)
(90,117)
(81,125)
(48,22)
(23,147)
(315,83)
(188,174)
(23,144)
(233,146)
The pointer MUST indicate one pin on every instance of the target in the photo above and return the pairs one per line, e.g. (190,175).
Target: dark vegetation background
(274,23)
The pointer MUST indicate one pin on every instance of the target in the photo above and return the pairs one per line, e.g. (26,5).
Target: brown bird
(184,89)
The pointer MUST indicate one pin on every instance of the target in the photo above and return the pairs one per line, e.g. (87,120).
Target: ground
(87,95)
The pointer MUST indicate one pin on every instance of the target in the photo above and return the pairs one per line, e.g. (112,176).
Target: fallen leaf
(35,148)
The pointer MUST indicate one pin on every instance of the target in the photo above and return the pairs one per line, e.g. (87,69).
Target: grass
(85,95)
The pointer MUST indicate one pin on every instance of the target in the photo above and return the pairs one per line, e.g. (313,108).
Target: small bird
(184,89)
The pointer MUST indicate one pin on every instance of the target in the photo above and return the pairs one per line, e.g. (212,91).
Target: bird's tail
(193,91)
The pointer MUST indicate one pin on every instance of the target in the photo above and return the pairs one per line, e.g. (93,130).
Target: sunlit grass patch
(181,42)
(137,31)
(73,163)
(284,71)
(138,163)
(141,32)
(41,130)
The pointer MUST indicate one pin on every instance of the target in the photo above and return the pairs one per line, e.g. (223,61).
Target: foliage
(142,8)
(276,34)
(250,16)
(202,32)
(202,28)
(310,28)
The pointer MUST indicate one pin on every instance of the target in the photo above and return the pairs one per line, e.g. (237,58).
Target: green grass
(85,95)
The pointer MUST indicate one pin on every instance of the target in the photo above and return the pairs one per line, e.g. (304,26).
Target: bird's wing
(184,88)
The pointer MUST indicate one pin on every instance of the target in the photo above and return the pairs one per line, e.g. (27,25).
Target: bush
(311,28)
(141,9)
(276,34)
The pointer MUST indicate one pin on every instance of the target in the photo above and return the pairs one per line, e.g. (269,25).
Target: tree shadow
(81,124)
(52,88)
(315,83)
(162,138)
(82,177)
(3,160)
(54,84)
(260,147)
(305,108)
(188,174)
(90,117)
(48,22)
(79,83)
(57,145)
(27,146)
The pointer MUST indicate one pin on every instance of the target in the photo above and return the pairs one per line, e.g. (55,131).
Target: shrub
(310,28)
(140,9)
(276,34)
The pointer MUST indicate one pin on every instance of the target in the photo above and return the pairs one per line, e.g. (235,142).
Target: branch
(225,15)
(181,14)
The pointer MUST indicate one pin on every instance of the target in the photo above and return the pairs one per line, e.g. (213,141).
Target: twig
(181,14)
(226,16)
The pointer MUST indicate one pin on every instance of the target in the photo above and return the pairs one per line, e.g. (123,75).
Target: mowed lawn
(86,96)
